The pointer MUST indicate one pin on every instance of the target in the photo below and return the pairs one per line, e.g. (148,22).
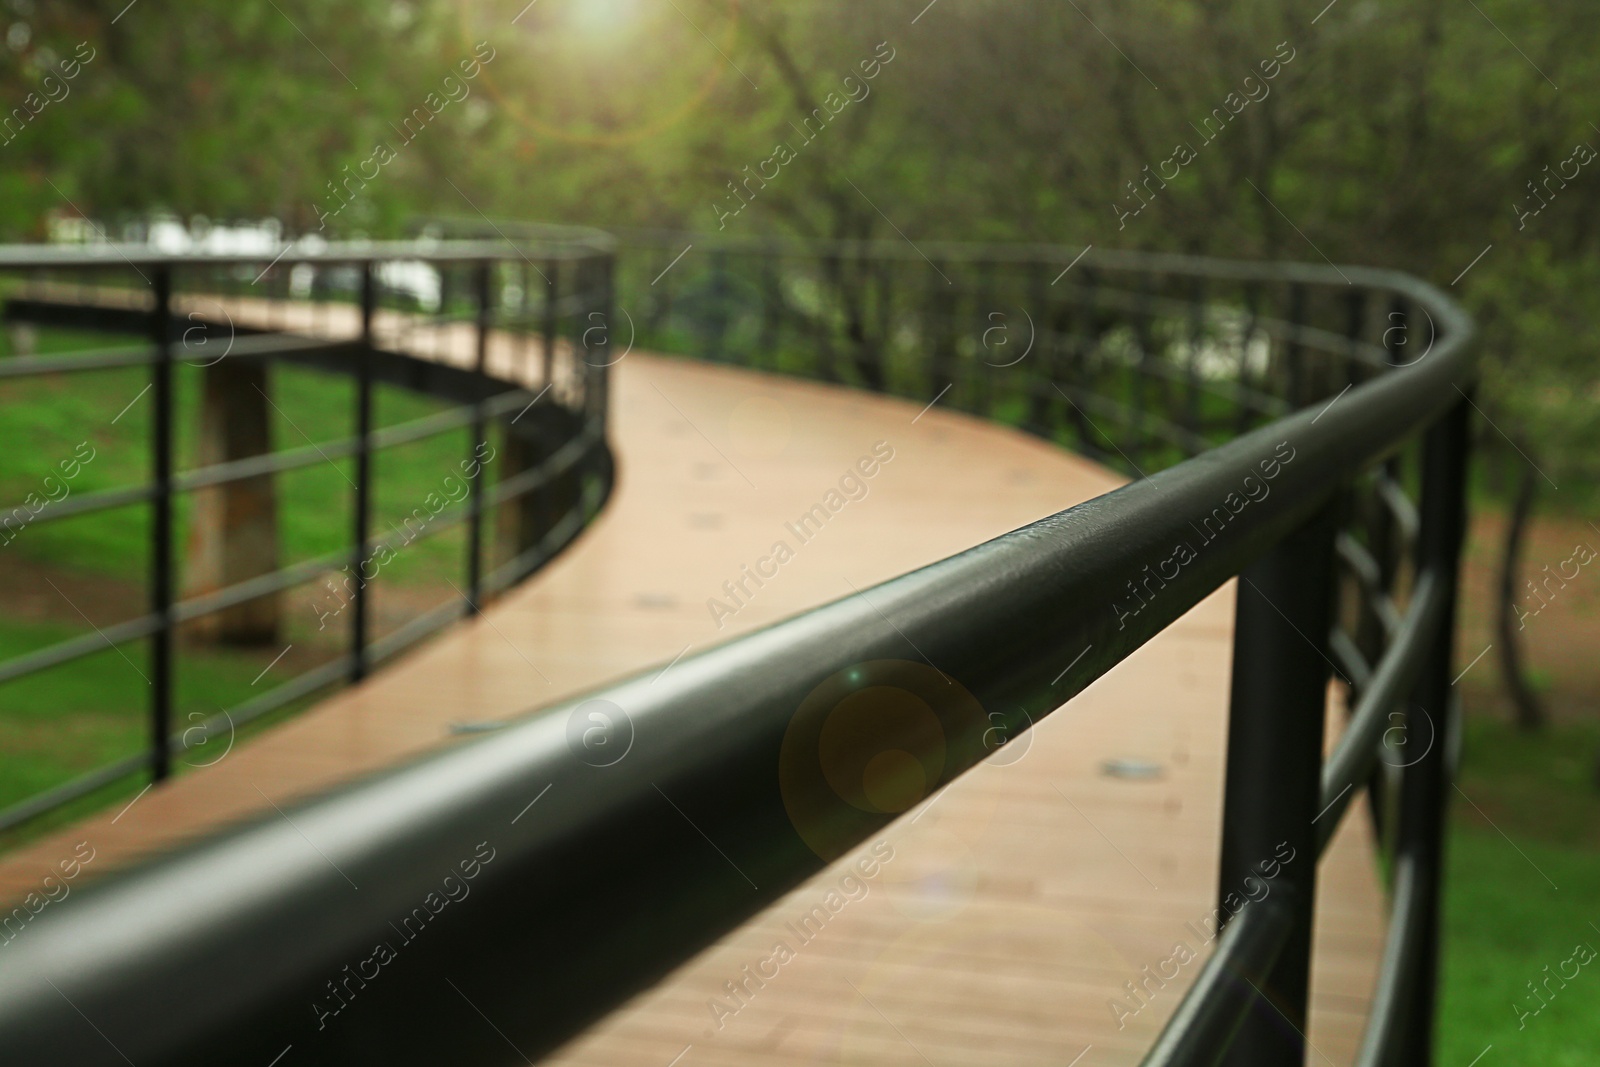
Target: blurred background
(1428,136)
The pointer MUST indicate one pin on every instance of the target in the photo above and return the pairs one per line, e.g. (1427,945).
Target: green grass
(1503,924)
(59,723)
(1522,888)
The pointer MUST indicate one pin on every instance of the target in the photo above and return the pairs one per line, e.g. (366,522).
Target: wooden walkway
(1005,915)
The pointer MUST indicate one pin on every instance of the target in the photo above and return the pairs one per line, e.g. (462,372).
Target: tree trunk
(1530,713)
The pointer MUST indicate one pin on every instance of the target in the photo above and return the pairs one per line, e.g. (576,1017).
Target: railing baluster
(1424,789)
(600,373)
(1298,390)
(485,275)
(1141,442)
(161,569)
(1192,417)
(1275,730)
(1085,337)
(714,319)
(363,499)
(552,294)
(980,390)
(1396,331)
(524,333)
(1036,379)
(1245,408)
(766,354)
(881,365)
(940,363)
(1355,326)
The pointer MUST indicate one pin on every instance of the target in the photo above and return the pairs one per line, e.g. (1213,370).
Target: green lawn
(1504,923)
(62,722)
(1522,889)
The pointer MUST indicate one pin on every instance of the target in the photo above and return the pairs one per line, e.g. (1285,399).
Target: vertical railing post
(161,562)
(1298,388)
(1355,328)
(879,360)
(1396,332)
(1424,790)
(939,358)
(717,315)
(1141,443)
(1084,339)
(485,276)
(363,499)
(597,389)
(1275,732)
(981,390)
(552,295)
(1252,310)
(524,326)
(1192,416)
(1036,379)
(766,354)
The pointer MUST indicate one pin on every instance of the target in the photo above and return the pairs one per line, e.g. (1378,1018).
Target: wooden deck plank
(1017,903)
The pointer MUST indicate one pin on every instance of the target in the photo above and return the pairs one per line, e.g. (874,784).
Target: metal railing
(1309,398)
(347,310)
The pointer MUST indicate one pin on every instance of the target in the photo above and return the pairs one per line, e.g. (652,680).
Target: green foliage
(1503,924)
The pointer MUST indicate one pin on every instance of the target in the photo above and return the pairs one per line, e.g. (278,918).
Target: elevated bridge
(714,742)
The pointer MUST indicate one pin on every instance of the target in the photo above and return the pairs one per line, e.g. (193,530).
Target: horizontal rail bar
(1349,660)
(281,461)
(100,777)
(182,611)
(429,622)
(340,253)
(1397,971)
(1402,507)
(1200,1030)
(1227,388)
(1145,306)
(84,504)
(74,789)
(1357,752)
(566,305)
(1360,562)
(97,359)
(546,470)
(255,588)
(78,647)
(1342,276)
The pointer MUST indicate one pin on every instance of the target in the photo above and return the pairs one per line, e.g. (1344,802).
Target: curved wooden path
(1005,915)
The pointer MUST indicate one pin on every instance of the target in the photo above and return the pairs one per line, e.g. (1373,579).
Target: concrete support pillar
(521,523)
(233,528)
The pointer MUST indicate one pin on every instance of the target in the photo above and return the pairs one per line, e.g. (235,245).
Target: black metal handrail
(96,286)
(603,887)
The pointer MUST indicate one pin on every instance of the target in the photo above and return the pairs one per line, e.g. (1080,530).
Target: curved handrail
(596,896)
(289,253)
